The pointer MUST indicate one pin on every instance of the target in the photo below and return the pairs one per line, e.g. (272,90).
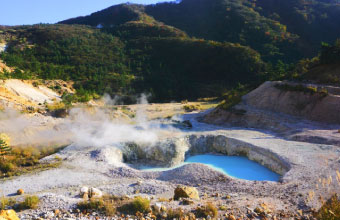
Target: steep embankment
(297,100)
(297,111)
(30,94)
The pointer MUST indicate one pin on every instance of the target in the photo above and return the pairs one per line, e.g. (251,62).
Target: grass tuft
(208,210)
(30,202)
(330,210)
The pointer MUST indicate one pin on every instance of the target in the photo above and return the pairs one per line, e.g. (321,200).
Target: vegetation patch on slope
(17,161)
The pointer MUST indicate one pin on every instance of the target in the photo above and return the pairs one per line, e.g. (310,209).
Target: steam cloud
(83,127)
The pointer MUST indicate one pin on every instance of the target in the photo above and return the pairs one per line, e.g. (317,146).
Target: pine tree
(4,149)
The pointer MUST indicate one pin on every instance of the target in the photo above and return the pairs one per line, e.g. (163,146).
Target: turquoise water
(234,166)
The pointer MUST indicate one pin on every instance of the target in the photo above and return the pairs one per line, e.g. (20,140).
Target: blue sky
(18,12)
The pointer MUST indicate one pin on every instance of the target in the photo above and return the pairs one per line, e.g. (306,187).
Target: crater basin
(235,166)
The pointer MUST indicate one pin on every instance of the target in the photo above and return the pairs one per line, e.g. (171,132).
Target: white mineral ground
(95,159)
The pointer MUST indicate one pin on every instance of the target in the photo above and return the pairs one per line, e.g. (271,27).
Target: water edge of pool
(234,166)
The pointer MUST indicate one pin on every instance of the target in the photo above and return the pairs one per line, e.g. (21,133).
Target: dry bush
(91,205)
(109,208)
(55,106)
(192,107)
(330,210)
(209,209)
(100,205)
(175,213)
(161,199)
(138,204)
(110,204)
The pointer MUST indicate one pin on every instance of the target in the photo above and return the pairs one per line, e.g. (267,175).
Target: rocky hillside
(304,112)
(31,95)
(312,102)
(309,101)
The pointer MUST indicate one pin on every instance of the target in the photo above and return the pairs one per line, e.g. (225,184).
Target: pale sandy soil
(27,91)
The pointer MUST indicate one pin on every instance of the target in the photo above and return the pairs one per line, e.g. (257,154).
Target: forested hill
(286,30)
(173,51)
(158,60)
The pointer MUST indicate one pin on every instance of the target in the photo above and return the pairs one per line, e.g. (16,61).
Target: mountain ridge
(258,24)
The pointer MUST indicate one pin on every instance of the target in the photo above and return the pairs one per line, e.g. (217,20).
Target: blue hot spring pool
(234,166)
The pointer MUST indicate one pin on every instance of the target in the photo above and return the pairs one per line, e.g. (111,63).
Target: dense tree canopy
(182,50)
(170,66)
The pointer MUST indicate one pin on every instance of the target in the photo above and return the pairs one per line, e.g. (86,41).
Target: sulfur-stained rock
(186,192)
(20,191)
(231,217)
(8,215)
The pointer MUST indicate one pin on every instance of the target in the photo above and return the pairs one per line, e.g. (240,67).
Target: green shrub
(296,88)
(25,159)
(6,202)
(3,203)
(55,106)
(137,205)
(323,92)
(93,204)
(191,107)
(35,84)
(301,88)
(140,204)
(5,150)
(6,166)
(230,101)
(30,202)
(223,208)
(106,205)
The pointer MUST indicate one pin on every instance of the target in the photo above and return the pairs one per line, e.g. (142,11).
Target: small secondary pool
(234,166)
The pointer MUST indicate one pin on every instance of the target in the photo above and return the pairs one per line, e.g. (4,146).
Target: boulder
(92,192)
(231,217)
(187,124)
(95,193)
(56,212)
(8,215)
(84,190)
(20,191)
(139,183)
(186,192)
